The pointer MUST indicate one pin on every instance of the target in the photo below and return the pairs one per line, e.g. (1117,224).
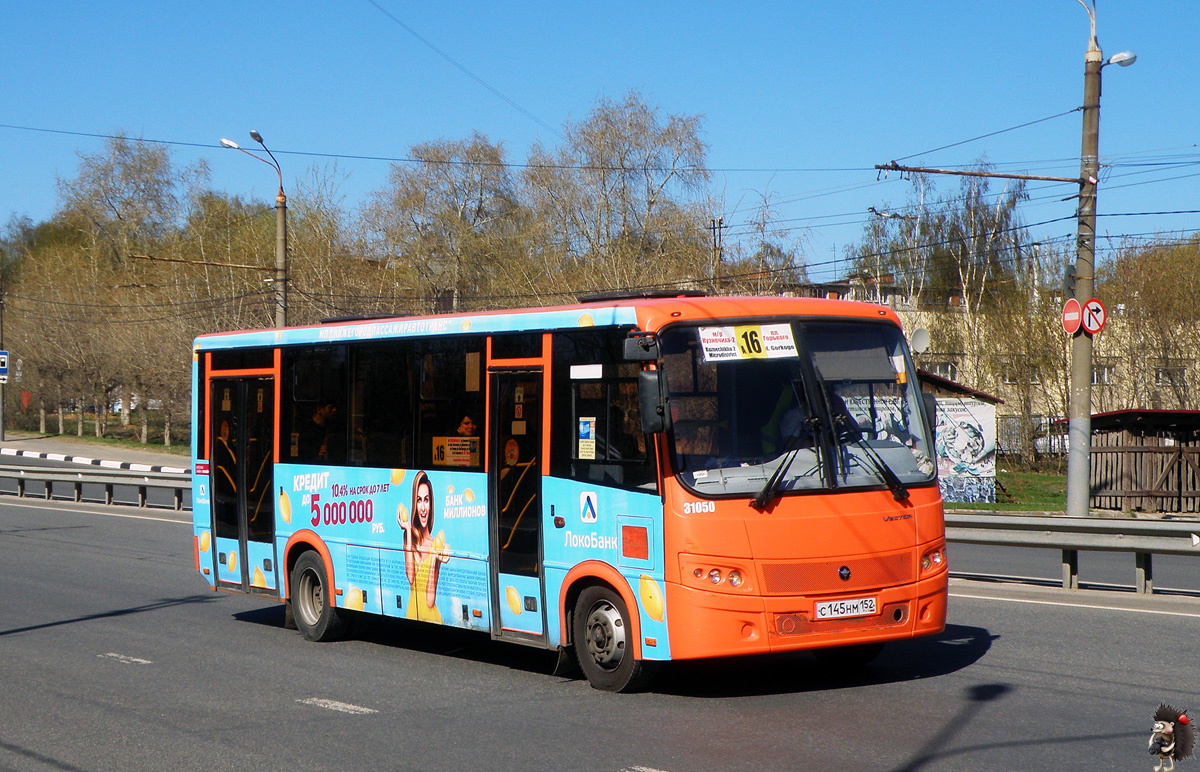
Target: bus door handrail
(525,470)
(513,531)
(527,466)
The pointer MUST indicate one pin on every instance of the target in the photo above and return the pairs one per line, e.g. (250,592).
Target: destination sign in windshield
(747,341)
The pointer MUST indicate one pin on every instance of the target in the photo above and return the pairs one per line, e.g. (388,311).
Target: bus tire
(603,642)
(317,618)
(848,657)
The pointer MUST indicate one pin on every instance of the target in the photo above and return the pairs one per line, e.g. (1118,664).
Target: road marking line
(42,504)
(1079,605)
(641,769)
(341,707)
(124,659)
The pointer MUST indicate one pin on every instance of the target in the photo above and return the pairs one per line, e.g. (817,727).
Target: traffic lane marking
(185,519)
(125,659)
(1095,606)
(340,707)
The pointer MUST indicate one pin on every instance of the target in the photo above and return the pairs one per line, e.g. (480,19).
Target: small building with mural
(966,440)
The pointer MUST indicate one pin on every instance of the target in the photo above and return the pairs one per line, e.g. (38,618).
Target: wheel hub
(605,635)
(310,600)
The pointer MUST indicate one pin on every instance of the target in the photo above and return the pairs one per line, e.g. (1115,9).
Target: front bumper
(711,624)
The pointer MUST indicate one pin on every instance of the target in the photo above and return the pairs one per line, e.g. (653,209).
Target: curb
(135,467)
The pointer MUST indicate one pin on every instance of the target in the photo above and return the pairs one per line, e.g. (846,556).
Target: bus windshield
(794,406)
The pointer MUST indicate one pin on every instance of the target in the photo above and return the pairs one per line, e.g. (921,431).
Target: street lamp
(1079,415)
(281,272)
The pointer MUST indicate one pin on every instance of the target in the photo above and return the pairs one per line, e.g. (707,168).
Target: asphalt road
(114,655)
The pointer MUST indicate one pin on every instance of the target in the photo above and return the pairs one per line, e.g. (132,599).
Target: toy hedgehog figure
(1172,737)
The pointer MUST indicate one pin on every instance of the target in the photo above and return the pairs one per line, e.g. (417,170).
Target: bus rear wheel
(603,642)
(317,618)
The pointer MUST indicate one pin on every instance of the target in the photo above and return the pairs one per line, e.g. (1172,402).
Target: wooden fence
(1136,472)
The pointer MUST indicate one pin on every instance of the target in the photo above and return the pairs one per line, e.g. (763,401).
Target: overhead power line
(464,70)
(443,161)
(990,134)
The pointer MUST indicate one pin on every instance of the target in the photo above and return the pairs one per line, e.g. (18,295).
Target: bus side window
(596,425)
(314,406)
(451,392)
(381,413)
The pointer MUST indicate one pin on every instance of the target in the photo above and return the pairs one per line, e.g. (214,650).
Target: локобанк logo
(588,511)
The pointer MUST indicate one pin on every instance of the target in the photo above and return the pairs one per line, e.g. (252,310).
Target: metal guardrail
(1144,538)
(110,479)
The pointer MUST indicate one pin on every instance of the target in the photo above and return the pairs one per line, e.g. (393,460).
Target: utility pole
(280,281)
(3,266)
(1079,406)
(281,266)
(717,226)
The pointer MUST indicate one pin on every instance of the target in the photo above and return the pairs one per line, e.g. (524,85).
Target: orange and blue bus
(627,481)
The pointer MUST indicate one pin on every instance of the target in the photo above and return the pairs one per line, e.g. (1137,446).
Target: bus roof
(649,314)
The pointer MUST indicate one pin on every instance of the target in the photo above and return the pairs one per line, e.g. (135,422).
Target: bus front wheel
(603,642)
(317,618)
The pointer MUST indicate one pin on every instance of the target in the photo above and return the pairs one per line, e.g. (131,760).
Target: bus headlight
(934,559)
(699,573)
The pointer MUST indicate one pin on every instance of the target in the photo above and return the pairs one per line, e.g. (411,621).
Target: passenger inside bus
(466,427)
(314,434)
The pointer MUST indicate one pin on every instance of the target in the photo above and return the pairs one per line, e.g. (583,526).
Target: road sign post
(3,380)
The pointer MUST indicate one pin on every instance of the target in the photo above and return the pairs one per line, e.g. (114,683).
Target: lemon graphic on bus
(259,579)
(397,476)
(232,561)
(514,599)
(354,599)
(402,514)
(652,599)
(468,495)
(285,506)
(205,541)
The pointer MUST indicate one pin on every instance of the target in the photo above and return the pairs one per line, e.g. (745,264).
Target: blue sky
(799,99)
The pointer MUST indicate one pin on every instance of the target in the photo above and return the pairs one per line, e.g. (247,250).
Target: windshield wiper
(770,491)
(845,428)
(882,470)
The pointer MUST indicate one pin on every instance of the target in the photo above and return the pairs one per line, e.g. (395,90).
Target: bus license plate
(835,609)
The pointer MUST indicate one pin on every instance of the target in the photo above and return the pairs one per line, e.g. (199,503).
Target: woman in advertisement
(423,553)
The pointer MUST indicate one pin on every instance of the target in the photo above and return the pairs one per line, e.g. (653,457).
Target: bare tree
(619,202)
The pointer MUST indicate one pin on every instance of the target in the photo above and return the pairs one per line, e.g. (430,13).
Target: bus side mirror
(653,402)
(930,414)
(641,347)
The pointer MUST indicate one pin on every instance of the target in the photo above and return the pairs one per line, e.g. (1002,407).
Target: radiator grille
(798,623)
(821,576)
